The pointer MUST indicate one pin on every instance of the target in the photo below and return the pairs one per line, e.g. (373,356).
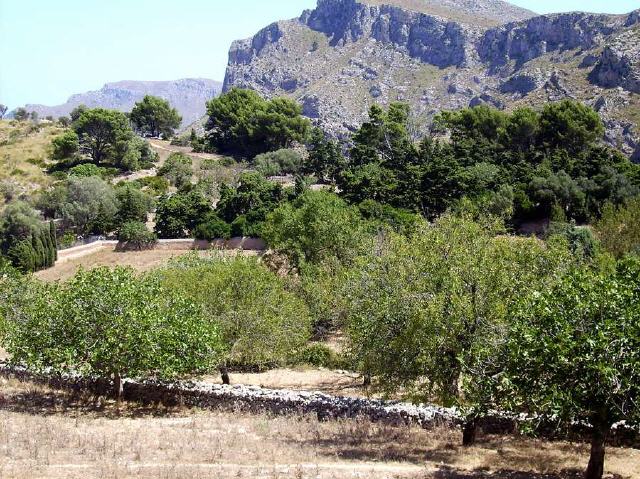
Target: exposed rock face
(619,64)
(188,96)
(345,55)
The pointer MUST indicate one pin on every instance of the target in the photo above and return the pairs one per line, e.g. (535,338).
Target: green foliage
(318,227)
(21,114)
(426,312)
(90,206)
(65,146)
(177,169)
(319,355)
(154,185)
(133,204)
(280,162)
(242,123)
(581,240)
(247,205)
(261,323)
(104,134)
(136,235)
(325,157)
(110,323)
(154,116)
(521,165)
(177,215)
(86,170)
(28,243)
(574,353)
(211,228)
(619,228)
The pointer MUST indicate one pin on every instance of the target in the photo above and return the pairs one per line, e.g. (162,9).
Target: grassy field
(24,151)
(47,434)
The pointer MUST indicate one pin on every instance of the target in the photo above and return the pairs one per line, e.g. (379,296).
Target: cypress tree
(54,240)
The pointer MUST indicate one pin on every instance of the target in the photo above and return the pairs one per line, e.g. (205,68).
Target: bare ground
(47,434)
(139,260)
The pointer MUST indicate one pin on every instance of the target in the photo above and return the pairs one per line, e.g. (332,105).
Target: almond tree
(574,354)
(110,324)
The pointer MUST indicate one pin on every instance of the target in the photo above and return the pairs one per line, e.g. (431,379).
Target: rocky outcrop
(345,55)
(619,63)
(188,96)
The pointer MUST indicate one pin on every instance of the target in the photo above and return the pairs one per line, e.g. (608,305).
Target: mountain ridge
(345,55)
(187,95)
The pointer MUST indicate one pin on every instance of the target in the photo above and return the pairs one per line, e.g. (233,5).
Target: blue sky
(52,49)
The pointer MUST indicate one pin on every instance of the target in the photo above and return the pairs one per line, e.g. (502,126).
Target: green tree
(426,312)
(104,135)
(65,146)
(248,204)
(177,215)
(242,123)
(325,157)
(21,114)
(177,169)
(280,162)
(133,204)
(574,353)
(90,207)
(317,227)
(128,326)
(154,116)
(261,323)
(619,228)
(136,235)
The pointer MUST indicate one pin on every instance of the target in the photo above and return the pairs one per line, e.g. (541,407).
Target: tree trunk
(595,469)
(367,380)
(225,375)
(469,431)
(118,386)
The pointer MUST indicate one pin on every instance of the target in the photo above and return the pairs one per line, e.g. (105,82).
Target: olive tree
(260,322)
(425,311)
(111,324)
(574,353)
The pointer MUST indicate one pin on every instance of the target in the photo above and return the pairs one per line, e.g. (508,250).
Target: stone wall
(255,399)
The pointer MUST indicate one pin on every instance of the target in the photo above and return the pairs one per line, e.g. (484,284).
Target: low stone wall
(244,244)
(255,399)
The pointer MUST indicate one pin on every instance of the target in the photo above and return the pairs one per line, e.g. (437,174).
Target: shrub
(212,228)
(280,162)
(136,235)
(319,355)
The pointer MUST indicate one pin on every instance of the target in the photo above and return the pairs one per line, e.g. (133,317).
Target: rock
(522,84)
(486,99)
(588,61)
(619,64)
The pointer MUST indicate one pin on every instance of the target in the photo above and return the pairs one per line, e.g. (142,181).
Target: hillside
(343,56)
(24,151)
(188,96)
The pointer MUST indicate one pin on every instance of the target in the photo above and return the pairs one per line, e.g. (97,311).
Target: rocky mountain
(188,96)
(345,55)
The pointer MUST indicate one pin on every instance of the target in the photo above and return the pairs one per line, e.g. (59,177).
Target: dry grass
(139,260)
(24,151)
(47,434)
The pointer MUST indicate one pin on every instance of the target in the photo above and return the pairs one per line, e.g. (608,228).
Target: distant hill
(187,95)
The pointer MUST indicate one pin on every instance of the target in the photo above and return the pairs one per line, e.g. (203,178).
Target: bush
(177,169)
(280,162)
(86,170)
(262,323)
(212,228)
(156,185)
(319,355)
(136,235)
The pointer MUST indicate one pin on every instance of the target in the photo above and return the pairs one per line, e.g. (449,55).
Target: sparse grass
(139,260)
(50,434)
(24,151)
